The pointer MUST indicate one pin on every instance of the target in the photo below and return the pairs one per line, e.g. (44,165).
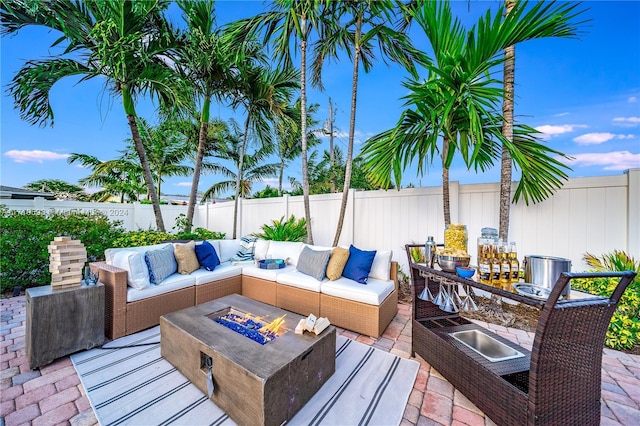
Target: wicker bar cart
(557,382)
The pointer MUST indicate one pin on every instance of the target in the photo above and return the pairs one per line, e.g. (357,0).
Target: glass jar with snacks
(456,237)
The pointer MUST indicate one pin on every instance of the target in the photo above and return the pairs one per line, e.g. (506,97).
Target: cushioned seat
(171,283)
(222,271)
(265,274)
(298,279)
(372,293)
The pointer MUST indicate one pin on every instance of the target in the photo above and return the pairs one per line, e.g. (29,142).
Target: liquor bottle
(505,265)
(495,265)
(515,264)
(484,268)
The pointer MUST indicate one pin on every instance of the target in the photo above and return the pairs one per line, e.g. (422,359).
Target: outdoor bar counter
(557,382)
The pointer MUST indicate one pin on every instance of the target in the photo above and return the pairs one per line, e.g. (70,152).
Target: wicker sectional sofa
(365,309)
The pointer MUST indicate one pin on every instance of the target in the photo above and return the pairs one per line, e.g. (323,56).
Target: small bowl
(465,271)
(449,263)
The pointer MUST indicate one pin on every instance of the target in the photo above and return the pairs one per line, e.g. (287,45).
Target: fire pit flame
(252,326)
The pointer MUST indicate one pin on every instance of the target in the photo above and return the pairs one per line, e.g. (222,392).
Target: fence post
(285,200)
(633,207)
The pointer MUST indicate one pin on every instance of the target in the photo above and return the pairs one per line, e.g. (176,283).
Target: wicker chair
(558,382)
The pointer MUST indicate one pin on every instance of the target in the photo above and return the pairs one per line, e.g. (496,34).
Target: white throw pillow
(133,263)
(381,267)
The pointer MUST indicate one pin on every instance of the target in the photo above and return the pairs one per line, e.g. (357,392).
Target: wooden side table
(63,321)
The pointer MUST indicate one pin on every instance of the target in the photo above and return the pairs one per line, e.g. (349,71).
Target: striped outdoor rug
(135,385)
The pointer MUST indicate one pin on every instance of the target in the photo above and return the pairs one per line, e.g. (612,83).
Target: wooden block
(67,260)
(62,239)
(56,274)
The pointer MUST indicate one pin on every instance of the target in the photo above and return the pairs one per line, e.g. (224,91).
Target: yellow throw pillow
(338,259)
(186,257)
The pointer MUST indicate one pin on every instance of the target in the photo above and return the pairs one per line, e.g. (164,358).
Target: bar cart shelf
(557,382)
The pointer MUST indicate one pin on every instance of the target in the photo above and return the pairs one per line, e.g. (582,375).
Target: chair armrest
(115,310)
(393,273)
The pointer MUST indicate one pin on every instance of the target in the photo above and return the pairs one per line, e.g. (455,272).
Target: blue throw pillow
(207,256)
(358,265)
(161,264)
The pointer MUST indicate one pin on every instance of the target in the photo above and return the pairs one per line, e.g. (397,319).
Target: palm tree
(250,166)
(287,24)
(166,150)
(121,177)
(356,25)
(288,140)
(508,72)
(264,94)
(207,60)
(125,42)
(458,103)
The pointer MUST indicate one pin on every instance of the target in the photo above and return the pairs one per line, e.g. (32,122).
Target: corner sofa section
(365,309)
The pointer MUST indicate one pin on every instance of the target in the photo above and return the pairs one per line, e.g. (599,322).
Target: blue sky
(583,93)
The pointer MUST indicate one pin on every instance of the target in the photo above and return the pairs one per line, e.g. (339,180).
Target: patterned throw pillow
(338,259)
(161,264)
(313,262)
(245,254)
(185,255)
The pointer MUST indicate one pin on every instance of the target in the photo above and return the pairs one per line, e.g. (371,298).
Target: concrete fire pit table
(254,383)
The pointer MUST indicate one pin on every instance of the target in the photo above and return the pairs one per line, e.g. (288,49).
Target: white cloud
(627,121)
(617,160)
(36,156)
(598,138)
(185,184)
(562,114)
(632,99)
(553,130)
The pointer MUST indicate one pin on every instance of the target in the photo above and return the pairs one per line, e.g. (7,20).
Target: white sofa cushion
(372,293)
(260,250)
(171,283)
(228,249)
(108,253)
(132,262)
(298,279)
(265,274)
(287,250)
(222,271)
(381,267)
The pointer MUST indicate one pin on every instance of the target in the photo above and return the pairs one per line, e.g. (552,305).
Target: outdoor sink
(485,345)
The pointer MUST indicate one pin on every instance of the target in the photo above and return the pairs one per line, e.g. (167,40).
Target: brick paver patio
(53,395)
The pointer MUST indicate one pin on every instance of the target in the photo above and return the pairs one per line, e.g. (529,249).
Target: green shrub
(24,237)
(182,224)
(624,328)
(281,230)
(150,237)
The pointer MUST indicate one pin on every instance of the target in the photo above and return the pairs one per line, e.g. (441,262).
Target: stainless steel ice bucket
(545,270)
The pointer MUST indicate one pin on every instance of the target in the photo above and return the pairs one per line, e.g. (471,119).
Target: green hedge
(624,328)
(24,237)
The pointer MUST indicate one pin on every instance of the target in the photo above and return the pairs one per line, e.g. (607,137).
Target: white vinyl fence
(593,214)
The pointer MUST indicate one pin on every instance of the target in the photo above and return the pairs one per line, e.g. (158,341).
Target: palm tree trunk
(507,132)
(148,178)
(280,175)
(239,176)
(352,128)
(303,126)
(202,138)
(446,205)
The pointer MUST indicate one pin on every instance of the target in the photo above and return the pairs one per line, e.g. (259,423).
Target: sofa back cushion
(313,262)
(133,262)
(260,250)
(186,258)
(161,264)
(289,251)
(228,249)
(359,264)
(109,253)
(338,259)
(207,256)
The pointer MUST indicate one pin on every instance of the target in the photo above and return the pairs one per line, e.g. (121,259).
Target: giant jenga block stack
(66,260)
